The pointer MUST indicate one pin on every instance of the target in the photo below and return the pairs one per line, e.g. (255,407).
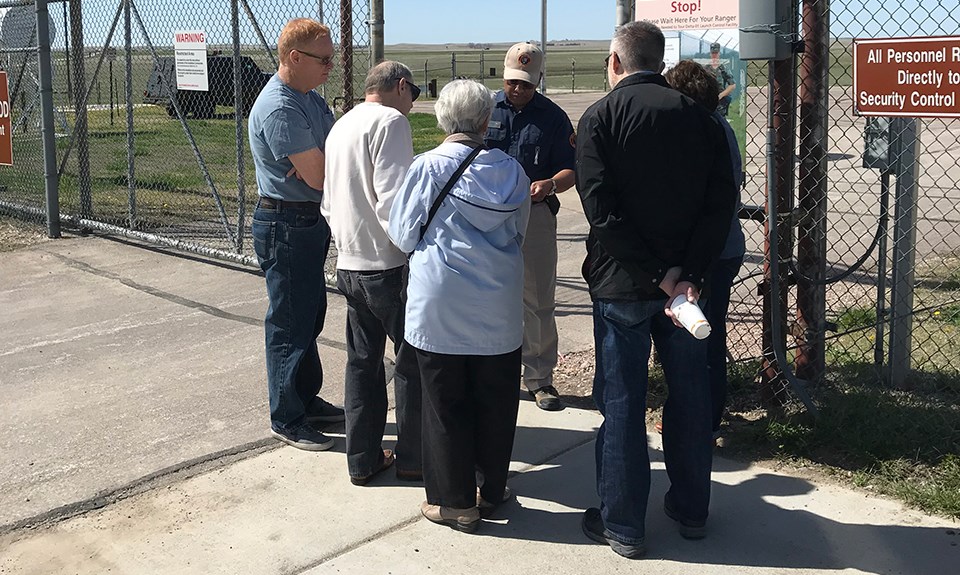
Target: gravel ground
(16,234)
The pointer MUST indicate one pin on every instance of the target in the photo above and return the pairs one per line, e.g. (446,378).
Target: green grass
(170,186)
(903,444)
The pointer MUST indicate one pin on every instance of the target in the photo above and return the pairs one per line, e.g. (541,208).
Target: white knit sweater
(368,152)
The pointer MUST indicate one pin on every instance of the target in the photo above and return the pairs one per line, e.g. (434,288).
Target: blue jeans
(622,330)
(291,245)
(376,303)
(721,280)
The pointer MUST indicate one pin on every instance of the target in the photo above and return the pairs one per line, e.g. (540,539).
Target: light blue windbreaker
(465,293)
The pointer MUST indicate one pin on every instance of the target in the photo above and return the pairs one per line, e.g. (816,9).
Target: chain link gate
(136,156)
(868,284)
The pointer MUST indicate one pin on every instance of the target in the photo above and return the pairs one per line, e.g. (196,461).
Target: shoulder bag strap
(446,189)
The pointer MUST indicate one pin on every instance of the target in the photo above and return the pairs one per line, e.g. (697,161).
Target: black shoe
(320,411)
(688,529)
(593,528)
(304,437)
(547,398)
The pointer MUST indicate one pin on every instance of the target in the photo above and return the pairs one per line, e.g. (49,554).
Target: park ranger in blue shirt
(537,133)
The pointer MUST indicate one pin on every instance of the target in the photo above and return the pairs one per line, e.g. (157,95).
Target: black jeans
(721,280)
(375,311)
(470,405)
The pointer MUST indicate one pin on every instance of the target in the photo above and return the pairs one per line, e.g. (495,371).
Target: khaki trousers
(539,289)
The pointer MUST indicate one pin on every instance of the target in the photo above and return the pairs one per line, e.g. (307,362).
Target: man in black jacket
(658,192)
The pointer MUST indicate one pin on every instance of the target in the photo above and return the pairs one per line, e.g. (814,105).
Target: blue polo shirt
(540,136)
(284,122)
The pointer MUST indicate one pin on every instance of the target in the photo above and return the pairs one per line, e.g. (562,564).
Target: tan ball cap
(524,61)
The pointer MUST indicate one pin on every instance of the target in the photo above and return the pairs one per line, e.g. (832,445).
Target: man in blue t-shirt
(538,134)
(288,126)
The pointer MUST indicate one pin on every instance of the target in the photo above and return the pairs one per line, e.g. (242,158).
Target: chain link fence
(137,156)
(865,305)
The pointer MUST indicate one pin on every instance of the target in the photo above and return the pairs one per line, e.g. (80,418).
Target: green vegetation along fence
(130,161)
(862,316)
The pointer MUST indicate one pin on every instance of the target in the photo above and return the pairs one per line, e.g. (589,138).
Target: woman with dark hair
(697,83)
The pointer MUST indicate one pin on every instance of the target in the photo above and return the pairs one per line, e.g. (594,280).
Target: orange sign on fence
(6,128)
(915,77)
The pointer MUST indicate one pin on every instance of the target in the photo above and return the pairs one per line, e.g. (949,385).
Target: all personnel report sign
(914,77)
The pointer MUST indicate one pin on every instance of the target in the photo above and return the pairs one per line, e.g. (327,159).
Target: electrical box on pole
(766,29)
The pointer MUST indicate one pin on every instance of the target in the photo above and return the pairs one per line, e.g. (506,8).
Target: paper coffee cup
(690,316)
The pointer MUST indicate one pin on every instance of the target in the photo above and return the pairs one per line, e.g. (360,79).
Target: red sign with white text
(690,14)
(913,77)
(6,127)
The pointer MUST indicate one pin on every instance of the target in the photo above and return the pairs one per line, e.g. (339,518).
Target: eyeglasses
(324,60)
(414,89)
(606,61)
(521,84)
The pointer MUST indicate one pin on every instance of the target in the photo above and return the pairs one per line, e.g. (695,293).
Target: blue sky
(463,21)
(439,21)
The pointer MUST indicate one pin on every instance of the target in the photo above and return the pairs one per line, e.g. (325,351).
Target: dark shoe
(465,520)
(593,528)
(304,437)
(385,464)
(688,529)
(404,475)
(321,411)
(547,398)
(487,508)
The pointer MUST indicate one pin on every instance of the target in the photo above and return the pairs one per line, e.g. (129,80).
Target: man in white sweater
(368,152)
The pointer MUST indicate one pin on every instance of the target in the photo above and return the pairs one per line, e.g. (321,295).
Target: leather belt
(272,204)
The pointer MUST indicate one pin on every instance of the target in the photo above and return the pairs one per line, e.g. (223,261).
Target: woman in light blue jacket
(464,311)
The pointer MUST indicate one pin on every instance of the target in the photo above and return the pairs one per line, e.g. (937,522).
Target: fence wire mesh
(185,175)
(136,153)
(845,313)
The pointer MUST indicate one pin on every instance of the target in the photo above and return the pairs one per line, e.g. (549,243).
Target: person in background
(464,305)
(288,126)
(657,224)
(537,133)
(723,78)
(693,80)
(368,152)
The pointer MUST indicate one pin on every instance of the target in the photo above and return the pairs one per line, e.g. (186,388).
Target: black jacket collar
(634,79)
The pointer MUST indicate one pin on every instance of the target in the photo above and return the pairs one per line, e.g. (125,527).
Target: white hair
(464,106)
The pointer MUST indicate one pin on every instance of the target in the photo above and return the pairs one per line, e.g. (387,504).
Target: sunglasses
(520,84)
(606,61)
(414,89)
(324,60)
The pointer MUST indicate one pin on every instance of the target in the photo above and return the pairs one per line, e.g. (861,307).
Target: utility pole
(624,12)
(543,44)
(376,31)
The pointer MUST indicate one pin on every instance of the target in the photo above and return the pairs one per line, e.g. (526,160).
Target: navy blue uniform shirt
(540,136)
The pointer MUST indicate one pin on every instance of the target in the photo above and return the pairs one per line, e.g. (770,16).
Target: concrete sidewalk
(288,511)
(134,440)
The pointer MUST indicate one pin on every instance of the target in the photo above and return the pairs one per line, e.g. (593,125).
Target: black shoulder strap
(446,189)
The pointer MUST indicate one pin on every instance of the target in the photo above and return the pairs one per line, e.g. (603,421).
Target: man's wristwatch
(553,187)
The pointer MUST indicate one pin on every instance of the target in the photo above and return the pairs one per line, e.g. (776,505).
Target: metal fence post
(812,193)
(239,110)
(453,66)
(128,94)
(50,179)
(906,133)
(346,51)
(80,122)
(376,30)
